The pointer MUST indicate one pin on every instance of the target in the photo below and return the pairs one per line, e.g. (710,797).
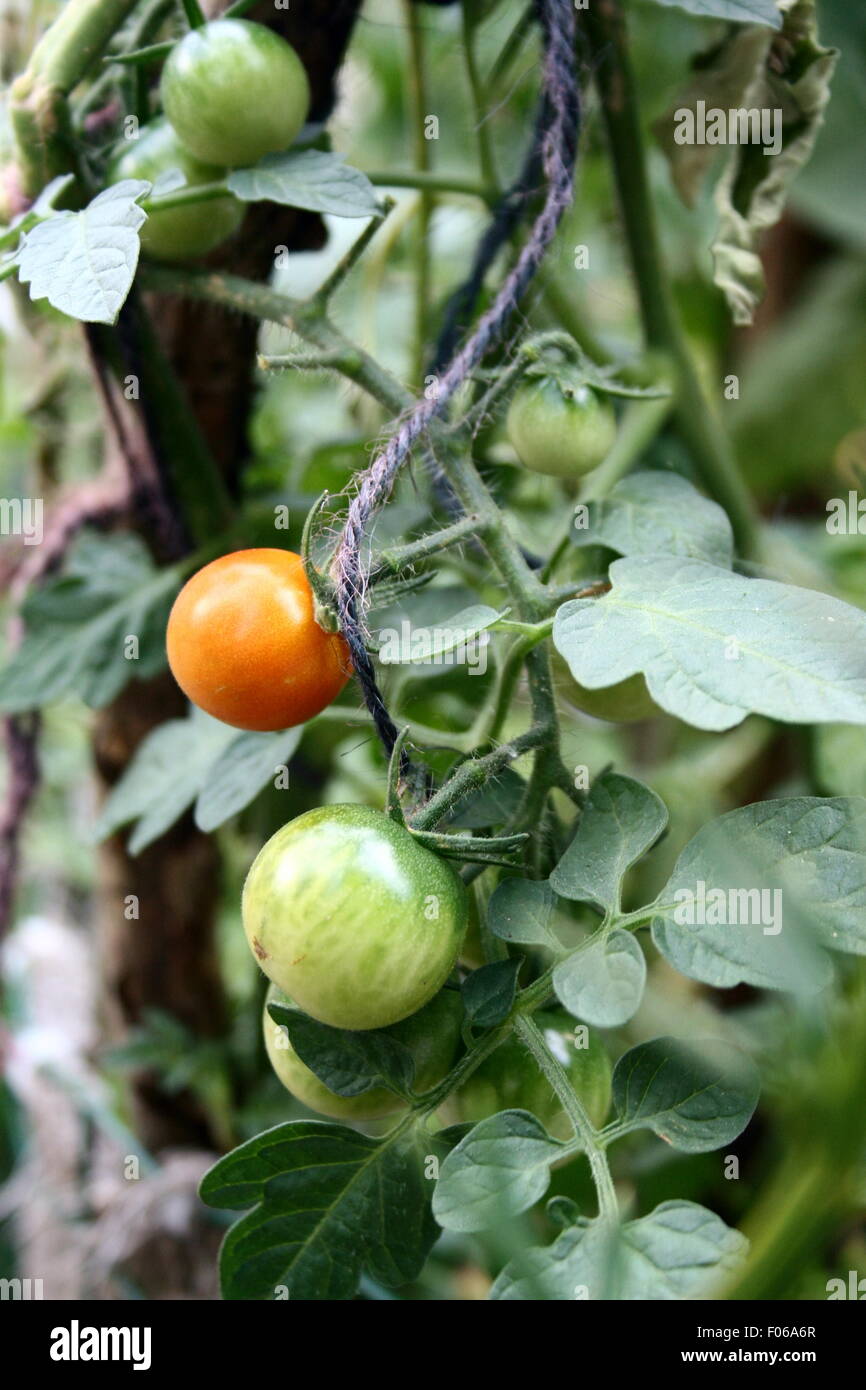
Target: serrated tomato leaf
(603,983)
(714,646)
(658,514)
(328,1203)
(84,262)
(93,629)
(488,993)
(348,1062)
(621,820)
(680,1251)
(313,179)
(762,893)
(696,1094)
(501,1168)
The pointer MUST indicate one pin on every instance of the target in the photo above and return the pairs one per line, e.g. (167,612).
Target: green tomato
(191,229)
(234,91)
(561,430)
(509,1079)
(623,703)
(352,917)
(432,1035)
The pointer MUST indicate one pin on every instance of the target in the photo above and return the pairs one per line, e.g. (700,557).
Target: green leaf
(753,190)
(621,820)
(78,626)
(679,1251)
(488,993)
(695,1094)
(714,646)
(501,1168)
(329,1203)
(84,262)
(245,766)
(760,893)
(424,645)
(194,760)
(311,179)
(603,984)
(349,1063)
(733,11)
(492,804)
(164,778)
(520,911)
(659,514)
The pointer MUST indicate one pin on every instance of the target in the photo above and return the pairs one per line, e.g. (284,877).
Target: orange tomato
(244,645)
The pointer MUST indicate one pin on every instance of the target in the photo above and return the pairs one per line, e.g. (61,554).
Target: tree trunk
(157,911)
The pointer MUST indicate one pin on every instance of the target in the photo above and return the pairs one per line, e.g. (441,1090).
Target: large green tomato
(190,229)
(432,1035)
(509,1079)
(234,91)
(348,914)
(560,429)
(623,703)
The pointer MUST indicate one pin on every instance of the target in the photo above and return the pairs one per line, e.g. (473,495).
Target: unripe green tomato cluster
(234,91)
(509,1079)
(352,918)
(189,229)
(559,429)
(432,1035)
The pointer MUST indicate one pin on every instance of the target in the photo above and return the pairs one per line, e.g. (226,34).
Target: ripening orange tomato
(244,645)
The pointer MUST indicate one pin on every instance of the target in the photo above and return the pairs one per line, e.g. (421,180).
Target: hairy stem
(710,449)
(530,1035)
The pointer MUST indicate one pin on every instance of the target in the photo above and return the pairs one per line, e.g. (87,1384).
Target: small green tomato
(560,429)
(352,917)
(234,91)
(190,229)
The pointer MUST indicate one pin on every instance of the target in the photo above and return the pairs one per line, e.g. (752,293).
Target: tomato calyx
(559,358)
(472,849)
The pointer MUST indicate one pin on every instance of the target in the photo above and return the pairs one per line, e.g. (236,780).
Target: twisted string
(558,129)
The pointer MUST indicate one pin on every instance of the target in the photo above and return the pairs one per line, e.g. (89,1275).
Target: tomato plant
(234,91)
(354,919)
(532,973)
(189,230)
(244,644)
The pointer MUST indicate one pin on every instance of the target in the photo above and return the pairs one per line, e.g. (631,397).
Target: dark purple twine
(555,140)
